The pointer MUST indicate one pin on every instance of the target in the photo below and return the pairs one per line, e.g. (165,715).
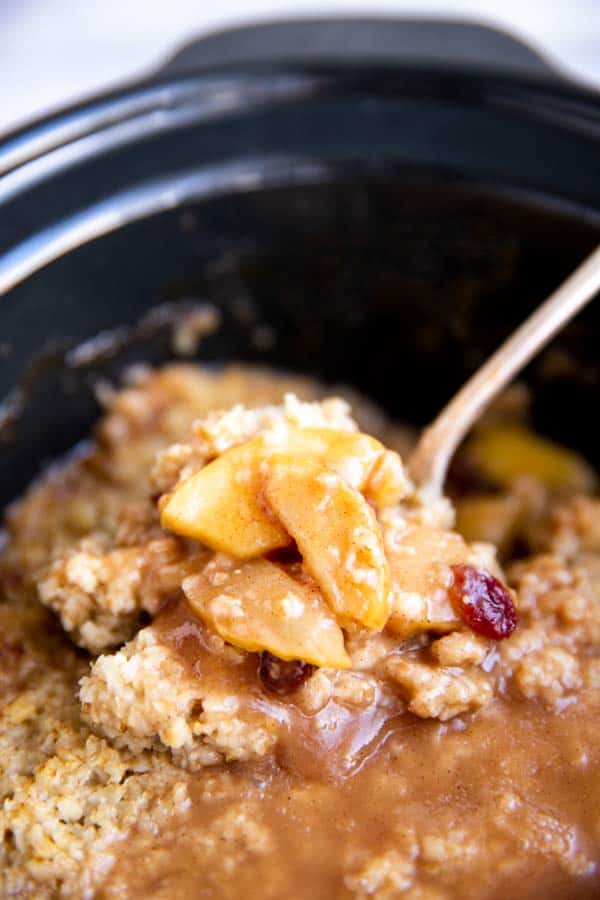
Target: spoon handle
(432,455)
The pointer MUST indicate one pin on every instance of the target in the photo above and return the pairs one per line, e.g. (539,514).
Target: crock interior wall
(399,285)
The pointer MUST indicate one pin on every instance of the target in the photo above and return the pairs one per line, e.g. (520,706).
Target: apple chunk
(503,452)
(220,505)
(361,460)
(349,453)
(258,606)
(337,535)
(420,566)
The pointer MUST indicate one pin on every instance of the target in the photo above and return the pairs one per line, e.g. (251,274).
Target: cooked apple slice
(349,453)
(387,483)
(221,505)
(420,568)
(337,535)
(494,518)
(502,452)
(258,607)
(361,460)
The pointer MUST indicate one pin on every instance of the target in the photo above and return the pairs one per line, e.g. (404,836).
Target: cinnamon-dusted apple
(338,536)
(257,606)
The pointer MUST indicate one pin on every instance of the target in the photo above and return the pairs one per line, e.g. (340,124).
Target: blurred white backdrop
(55,51)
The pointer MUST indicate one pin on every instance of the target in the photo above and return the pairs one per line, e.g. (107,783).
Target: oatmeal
(241,656)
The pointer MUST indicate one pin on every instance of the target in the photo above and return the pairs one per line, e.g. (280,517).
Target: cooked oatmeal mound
(310,568)
(238,569)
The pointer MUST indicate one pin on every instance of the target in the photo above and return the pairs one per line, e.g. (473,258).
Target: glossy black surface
(442,206)
(398,287)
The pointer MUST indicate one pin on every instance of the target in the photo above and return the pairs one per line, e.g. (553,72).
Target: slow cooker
(375,202)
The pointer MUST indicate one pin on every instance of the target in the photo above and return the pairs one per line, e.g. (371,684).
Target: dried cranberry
(484,602)
(282,677)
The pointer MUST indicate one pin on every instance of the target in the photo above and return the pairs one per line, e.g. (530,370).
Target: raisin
(483,602)
(11,654)
(285,555)
(11,584)
(282,677)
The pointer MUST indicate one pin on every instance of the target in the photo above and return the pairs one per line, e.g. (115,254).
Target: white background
(55,51)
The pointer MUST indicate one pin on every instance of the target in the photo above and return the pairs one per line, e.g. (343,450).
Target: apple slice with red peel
(257,606)
(337,535)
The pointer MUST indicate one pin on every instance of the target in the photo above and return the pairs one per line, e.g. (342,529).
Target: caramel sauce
(184,632)
(330,744)
(334,743)
(505,807)
(361,803)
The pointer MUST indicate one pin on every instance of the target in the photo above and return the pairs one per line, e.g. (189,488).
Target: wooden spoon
(429,462)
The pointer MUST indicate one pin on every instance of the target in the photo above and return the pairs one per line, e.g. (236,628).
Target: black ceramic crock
(374,202)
